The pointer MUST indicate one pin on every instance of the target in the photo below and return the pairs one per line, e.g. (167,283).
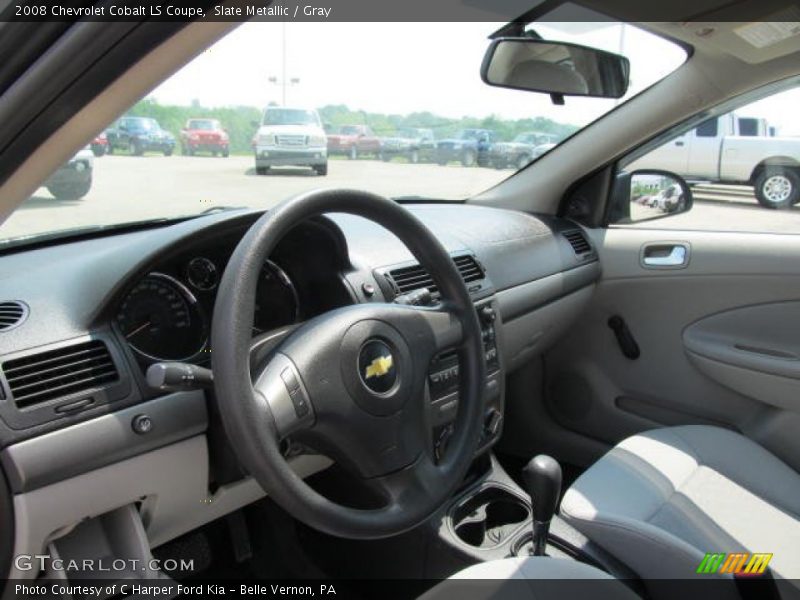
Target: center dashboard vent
(578,241)
(415,277)
(56,374)
(12,313)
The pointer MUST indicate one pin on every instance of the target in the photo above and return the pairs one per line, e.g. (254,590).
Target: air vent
(12,313)
(408,279)
(59,373)
(578,241)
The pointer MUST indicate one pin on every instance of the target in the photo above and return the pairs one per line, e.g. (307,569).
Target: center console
(410,283)
(443,382)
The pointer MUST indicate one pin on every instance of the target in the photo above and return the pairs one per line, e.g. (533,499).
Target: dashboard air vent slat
(578,241)
(59,373)
(12,313)
(408,279)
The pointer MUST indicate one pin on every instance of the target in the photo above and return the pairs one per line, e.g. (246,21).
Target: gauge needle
(137,330)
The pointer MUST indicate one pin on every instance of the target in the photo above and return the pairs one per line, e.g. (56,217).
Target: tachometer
(277,303)
(161,320)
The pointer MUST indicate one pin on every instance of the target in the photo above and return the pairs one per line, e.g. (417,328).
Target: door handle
(667,255)
(679,143)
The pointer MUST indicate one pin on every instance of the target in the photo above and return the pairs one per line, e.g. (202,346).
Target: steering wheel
(350,383)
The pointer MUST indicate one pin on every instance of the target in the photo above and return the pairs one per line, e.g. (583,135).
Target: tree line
(238,121)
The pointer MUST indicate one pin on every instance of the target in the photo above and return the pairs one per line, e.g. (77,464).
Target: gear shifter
(542,478)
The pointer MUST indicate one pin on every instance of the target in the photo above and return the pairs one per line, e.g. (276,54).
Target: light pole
(283,81)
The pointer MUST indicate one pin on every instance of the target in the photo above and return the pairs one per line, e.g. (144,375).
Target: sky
(398,68)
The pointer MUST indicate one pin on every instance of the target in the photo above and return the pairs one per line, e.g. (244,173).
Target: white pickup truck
(717,150)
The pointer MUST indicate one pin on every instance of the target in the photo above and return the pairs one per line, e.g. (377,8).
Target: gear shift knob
(542,478)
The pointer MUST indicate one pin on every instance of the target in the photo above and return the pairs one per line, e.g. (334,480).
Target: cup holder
(489,518)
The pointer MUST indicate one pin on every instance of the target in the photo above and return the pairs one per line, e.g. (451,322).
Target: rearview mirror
(555,68)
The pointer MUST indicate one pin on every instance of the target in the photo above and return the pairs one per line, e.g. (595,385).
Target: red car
(99,145)
(353,140)
(204,135)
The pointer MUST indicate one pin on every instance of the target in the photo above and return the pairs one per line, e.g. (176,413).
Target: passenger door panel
(719,340)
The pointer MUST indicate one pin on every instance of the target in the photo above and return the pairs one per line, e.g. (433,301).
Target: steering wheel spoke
(445,326)
(418,480)
(285,396)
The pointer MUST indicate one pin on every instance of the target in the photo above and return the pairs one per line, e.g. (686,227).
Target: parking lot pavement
(130,188)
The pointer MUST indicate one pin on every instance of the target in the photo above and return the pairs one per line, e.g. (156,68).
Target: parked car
(416,144)
(717,151)
(139,135)
(204,135)
(291,137)
(99,145)
(469,146)
(73,180)
(354,140)
(542,148)
(520,151)
(670,200)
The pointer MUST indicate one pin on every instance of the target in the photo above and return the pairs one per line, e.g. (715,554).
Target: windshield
(304,79)
(290,116)
(470,134)
(139,124)
(203,125)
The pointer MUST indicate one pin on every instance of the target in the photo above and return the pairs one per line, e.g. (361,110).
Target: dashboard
(128,300)
(91,315)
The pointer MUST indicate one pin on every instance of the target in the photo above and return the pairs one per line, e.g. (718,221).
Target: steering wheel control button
(142,424)
(280,386)
(296,395)
(290,379)
(368,289)
(376,365)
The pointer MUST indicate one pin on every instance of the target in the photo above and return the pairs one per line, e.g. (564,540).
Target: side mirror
(555,68)
(644,195)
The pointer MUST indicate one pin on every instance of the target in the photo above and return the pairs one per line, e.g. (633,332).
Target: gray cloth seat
(530,578)
(659,501)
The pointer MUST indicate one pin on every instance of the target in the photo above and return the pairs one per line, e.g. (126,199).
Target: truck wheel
(225,153)
(777,187)
(137,149)
(468,158)
(262,170)
(413,157)
(98,151)
(168,152)
(70,191)
(321,169)
(353,154)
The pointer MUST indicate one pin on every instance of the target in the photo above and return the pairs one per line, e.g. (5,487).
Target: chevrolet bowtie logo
(379,367)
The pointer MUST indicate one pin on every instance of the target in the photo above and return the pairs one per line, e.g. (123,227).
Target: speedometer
(161,320)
